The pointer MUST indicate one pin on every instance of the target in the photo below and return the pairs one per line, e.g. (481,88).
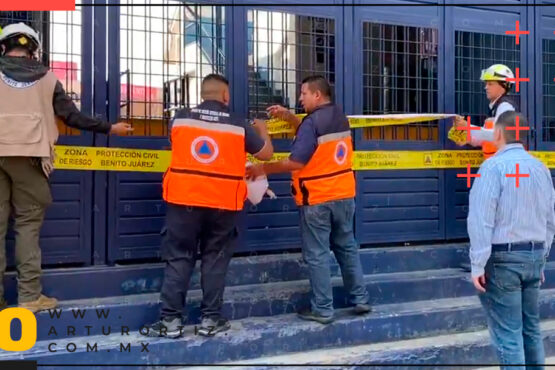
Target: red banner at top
(37,4)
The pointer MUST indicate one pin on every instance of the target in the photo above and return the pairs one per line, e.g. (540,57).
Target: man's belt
(520,246)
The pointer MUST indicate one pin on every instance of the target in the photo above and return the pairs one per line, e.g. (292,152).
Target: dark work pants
(24,190)
(189,228)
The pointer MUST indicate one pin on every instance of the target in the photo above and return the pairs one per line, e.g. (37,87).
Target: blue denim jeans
(511,302)
(324,226)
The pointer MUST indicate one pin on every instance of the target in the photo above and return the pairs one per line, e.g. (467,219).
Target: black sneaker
(169,328)
(307,314)
(362,308)
(211,326)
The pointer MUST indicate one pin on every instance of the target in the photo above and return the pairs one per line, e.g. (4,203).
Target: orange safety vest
(487,146)
(328,175)
(207,166)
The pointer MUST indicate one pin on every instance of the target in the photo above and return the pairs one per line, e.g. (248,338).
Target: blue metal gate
(155,54)
(398,68)
(149,61)
(284,45)
(543,78)
(475,40)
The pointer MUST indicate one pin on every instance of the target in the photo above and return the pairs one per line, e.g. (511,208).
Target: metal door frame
(505,20)
(541,32)
(395,16)
(106,191)
(334,10)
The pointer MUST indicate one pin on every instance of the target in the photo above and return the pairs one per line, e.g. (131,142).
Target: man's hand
(480,283)
(260,127)
(460,121)
(543,277)
(279,112)
(121,128)
(254,171)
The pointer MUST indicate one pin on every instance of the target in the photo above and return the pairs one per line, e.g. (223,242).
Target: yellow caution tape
(457,136)
(548,158)
(408,160)
(275,157)
(111,159)
(278,126)
(142,160)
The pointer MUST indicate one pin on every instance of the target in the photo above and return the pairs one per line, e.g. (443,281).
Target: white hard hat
(500,73)
(27,34)
(497,72)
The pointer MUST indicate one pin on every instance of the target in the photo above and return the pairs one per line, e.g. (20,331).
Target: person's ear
(226,96)
(497,134)
(317,95)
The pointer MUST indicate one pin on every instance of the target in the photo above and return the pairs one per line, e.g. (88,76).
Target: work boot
(362,308)
(167,327)
(41,304)
(211,326)
(307,314)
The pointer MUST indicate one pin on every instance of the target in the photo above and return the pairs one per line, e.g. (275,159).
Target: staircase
(425,312)
(261,93)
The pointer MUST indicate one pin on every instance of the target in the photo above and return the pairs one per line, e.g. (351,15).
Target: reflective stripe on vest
(328,175)
(487,146)
(207,168)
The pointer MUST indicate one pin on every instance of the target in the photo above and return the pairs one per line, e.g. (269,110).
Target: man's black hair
(215,77)
(508,119)
(318,83)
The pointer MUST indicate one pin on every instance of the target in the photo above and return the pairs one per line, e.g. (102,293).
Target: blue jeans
(328,225)
(511,302)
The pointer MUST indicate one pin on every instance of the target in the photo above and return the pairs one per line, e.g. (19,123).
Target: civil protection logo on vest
(16,84)
(341,150)
(204,149)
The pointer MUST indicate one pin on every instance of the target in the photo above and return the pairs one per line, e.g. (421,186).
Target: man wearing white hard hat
(31,98)
(497,83)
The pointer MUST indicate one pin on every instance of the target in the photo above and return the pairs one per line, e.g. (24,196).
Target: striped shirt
(499,212)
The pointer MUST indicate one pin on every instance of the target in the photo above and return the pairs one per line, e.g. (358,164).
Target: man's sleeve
(483,200)
(305,143)
(66,110)
(253,142)
(477,137)
(485,134)
(502,108)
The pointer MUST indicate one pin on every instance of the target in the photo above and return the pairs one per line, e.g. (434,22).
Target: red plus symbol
(518,175)
(517,128)
(468,128)
(517,79)
(517,32)
(468,175)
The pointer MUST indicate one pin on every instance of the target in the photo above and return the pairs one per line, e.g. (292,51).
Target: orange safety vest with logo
(487,146)
(328,175)
(207,166)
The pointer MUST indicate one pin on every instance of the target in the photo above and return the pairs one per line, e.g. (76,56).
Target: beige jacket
(27,120)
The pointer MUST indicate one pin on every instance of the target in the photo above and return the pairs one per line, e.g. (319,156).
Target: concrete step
(256,300)
(269,336)
(472,349)
(109,281)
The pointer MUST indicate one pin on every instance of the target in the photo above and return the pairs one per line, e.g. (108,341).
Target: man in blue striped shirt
(511,227)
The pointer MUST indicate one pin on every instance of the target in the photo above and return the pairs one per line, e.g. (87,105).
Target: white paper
(257,188)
